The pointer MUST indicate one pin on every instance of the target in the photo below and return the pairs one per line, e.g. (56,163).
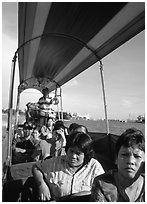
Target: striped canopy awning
(59,40)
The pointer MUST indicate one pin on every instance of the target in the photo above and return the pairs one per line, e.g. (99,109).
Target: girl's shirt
(62,181)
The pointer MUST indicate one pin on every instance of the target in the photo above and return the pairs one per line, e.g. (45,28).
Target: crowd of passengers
(65,167)
(68,170)
(35,142)
(43,138)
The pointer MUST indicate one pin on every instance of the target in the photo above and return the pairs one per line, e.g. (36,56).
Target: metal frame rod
(58,112)
(89,48)
(58,109)
(61,104)
(104,97)
(17,108)
(10,110)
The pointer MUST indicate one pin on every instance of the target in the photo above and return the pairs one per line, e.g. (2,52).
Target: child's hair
(73,126)
(83,142)
(59,124)
(82,128)
(78,128)
(131,137)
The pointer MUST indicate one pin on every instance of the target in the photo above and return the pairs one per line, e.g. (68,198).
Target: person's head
(81,128)
(59,125)
(36,134)
(50,123)
(27,129)
(58,130)
(79,148)
(130,153)
(72,127)
(45,91)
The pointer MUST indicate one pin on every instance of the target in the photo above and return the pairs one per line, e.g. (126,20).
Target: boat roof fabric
(57,41)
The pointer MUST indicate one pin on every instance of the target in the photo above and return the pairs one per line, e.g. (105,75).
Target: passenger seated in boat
(58,140)
(22,145)
(127,183)
(72,127)
(42,147)
(77,127)
(62,129)
(46,130)
(61,178)
(61,124)
(81,128)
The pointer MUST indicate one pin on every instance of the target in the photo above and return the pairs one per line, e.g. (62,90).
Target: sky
(124,77)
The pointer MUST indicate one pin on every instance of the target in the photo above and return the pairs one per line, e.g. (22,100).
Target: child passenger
(42,147)
(70,174)
(127,183)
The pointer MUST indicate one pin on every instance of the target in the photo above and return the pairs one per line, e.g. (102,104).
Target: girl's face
(129,161)
(75,157)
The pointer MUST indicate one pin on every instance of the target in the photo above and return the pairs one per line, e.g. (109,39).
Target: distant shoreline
(116,127)
(99,126)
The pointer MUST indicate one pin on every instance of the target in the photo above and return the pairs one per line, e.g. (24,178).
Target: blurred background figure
(72,127)
(42,147)
(81,128)
(77,127)
(60,136)
(46,130)
(45,99)
(22,145)
(44,105)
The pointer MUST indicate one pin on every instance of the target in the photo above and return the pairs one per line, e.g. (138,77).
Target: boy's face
(129,161)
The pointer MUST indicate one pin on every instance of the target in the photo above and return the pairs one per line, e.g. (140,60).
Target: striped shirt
(62,181)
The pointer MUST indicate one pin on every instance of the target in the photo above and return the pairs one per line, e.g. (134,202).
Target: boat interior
(56,42)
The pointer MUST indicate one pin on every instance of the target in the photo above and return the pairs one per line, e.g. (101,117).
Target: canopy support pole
(10,112)
(58,112)
(104,97)
(17,108)
(61,104)
(58,109)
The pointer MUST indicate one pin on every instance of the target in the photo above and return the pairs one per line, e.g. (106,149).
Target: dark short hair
(131,137)
(83,142)
(82,127)
(59,124)
(73,126)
